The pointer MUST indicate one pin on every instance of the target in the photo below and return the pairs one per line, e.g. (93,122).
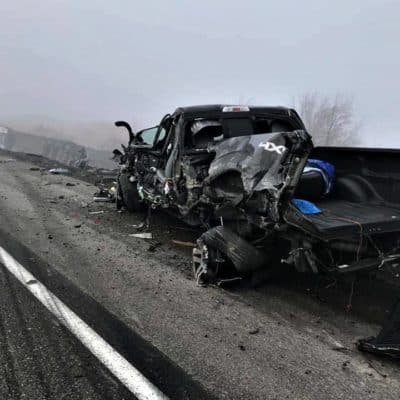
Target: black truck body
(242,173)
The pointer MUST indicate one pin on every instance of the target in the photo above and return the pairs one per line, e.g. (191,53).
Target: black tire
(129,194)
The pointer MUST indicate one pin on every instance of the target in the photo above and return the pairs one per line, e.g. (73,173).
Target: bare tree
(330,120)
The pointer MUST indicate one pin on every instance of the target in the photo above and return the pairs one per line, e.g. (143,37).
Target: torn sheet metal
(269,164)
(258,158)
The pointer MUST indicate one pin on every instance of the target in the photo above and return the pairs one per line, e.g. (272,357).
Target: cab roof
(217,110)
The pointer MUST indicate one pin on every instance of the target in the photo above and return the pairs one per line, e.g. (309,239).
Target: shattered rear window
(234,127)
(201,132)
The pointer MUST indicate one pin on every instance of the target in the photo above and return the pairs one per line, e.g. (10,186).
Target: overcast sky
(106,60)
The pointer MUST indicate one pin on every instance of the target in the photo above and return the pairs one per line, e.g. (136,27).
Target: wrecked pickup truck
(252,179)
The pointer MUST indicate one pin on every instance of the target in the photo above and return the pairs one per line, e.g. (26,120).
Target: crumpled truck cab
(250,177)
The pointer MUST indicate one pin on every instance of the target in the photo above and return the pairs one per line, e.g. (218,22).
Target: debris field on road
(289,336)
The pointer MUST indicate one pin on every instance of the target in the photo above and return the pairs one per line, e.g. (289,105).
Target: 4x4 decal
(272,147)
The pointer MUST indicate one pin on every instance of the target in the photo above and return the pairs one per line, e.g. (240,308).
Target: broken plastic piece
(142,235)
(103,196)
(306,207)
(59,171)
(139,226)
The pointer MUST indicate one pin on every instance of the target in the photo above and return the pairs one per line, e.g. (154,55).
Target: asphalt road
(274,342)
(39,359)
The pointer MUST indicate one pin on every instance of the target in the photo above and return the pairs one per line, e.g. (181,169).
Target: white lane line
(138,384)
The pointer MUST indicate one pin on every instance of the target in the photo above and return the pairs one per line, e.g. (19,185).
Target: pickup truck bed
(341,218)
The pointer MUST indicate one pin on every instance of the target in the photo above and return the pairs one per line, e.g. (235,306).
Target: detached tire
(129,195)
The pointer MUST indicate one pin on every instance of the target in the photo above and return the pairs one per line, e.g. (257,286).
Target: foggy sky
(106,60)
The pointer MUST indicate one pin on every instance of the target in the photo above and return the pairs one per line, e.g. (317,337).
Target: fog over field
(70,68)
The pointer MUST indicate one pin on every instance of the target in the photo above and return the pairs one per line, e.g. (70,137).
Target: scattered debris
(345,365)
(185,244)
(104,196)
(371,365)
(59,171)
(139,226)
(142,235)
(334,344)
(8,160)
(339,347)
(70,184)
(106,172)
(153,246)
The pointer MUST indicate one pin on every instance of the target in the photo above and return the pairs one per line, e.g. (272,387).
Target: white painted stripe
(138,384)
